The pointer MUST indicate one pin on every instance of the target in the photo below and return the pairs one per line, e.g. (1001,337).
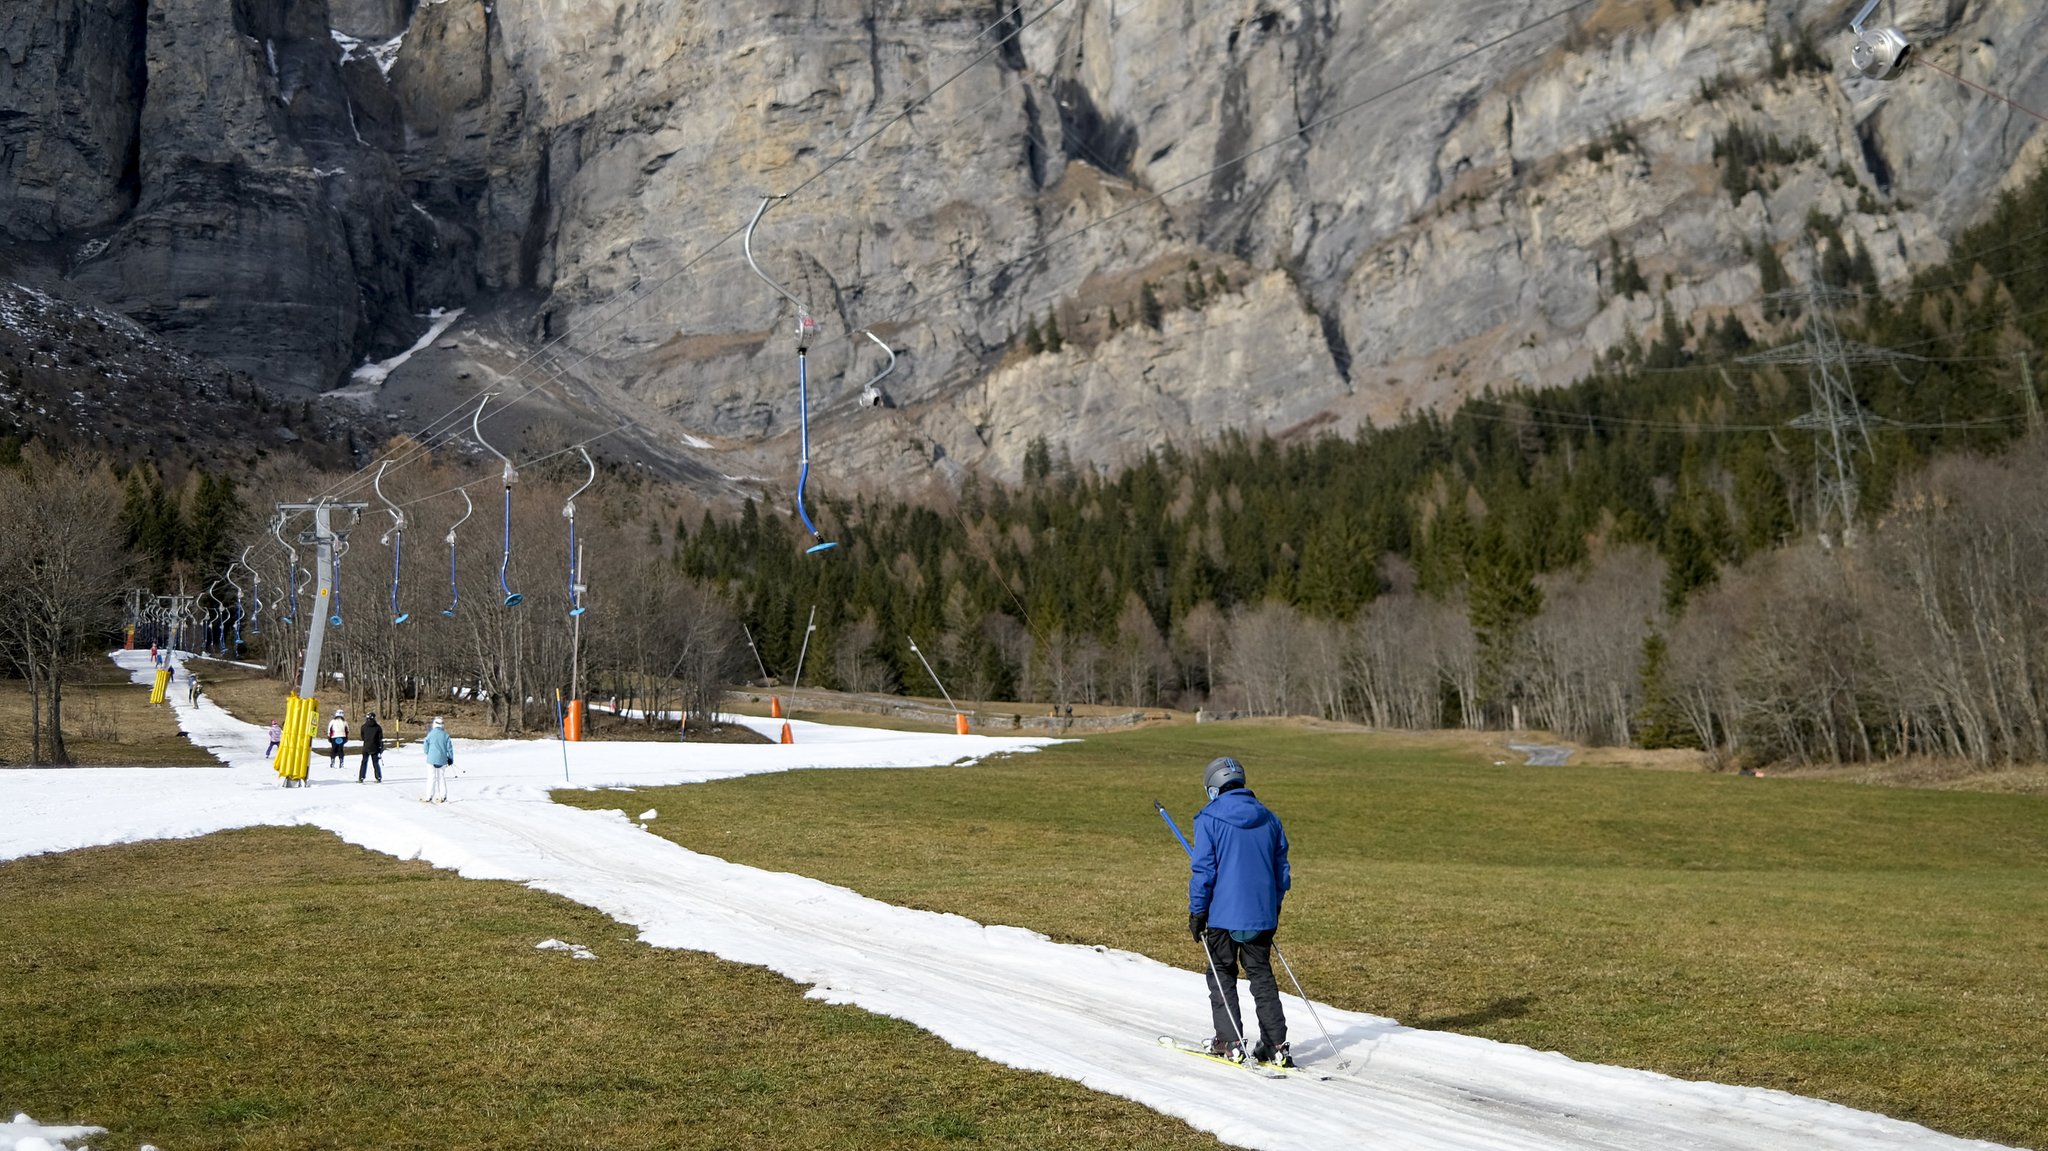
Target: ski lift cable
(1298,132)
(1972,84)
(1302,130)
(806,329)
(640,292)
(569,512)
(394,538)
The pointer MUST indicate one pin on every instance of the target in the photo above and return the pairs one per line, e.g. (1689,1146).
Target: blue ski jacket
(1240,864)
(439,748)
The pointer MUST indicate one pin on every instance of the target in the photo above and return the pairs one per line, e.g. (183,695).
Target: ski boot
(1276,1056)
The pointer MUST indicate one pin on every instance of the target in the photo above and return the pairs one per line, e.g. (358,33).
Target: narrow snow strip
(1085,1013)
(25,1134)
(370,377)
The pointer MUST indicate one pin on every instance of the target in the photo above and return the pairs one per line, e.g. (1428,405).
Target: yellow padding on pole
(163,685)
(295,741)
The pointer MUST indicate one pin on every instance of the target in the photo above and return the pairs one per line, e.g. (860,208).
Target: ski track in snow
(1089,1014)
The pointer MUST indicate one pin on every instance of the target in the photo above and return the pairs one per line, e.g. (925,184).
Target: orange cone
(960,723)
(775,708)
(786,736)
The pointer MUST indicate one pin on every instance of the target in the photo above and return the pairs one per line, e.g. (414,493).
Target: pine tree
(1149,311)
(1658,722)
(1053,340)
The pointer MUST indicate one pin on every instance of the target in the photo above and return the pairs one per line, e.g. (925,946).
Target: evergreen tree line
(1551,556)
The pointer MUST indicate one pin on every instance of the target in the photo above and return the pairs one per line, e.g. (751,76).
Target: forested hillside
(1644,555)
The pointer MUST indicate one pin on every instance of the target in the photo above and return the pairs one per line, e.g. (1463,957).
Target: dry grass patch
(275,988)
(108,722)
(1882,948)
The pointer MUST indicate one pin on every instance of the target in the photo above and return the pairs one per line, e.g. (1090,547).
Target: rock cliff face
(1033,207)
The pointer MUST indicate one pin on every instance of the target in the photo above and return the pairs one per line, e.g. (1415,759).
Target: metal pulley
(1879,53)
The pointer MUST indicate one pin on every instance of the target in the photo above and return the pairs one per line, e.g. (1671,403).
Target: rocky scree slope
(290,186)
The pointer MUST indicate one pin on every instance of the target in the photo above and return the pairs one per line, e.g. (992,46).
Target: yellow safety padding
(295,739)
(163,685)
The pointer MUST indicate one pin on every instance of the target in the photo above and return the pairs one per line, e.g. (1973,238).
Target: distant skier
(1239,878)
(373,748)
(276,737)
(440,757)
(337,738)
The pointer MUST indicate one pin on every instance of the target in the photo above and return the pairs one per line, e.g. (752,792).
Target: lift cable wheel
(1879,53)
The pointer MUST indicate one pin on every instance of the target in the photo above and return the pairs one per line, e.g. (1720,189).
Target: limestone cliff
(1033,207)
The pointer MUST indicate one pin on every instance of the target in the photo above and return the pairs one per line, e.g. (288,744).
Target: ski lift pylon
(806,328)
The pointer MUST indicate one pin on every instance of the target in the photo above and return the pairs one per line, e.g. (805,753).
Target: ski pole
(1216,976)
(1277,953)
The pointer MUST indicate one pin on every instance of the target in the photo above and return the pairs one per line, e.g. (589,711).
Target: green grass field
(277,988)
(1884,948)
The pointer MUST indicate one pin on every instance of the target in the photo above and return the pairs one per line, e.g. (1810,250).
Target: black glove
(1198,922)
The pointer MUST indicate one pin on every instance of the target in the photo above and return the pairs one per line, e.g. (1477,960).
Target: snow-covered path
(1088,1014)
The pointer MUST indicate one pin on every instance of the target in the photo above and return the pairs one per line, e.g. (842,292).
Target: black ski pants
(371,759)
(1256,957)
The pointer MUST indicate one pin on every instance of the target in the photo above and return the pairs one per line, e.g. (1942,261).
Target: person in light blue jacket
(440,757)
(1239,879)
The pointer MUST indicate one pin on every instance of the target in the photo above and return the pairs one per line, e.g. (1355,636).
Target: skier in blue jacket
(1239,879)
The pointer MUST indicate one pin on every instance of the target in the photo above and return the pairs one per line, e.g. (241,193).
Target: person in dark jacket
(373,748)
(1239,878)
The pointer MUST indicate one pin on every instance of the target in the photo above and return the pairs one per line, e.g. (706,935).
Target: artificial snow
(575,950)
(1089,1014)
(25,1134)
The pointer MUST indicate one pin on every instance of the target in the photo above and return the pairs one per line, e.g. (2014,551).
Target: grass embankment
(277,988)
(108,722)
(1884,948)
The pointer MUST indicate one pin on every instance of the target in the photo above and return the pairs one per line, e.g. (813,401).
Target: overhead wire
(353,482)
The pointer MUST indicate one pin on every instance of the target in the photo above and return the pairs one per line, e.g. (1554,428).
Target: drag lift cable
(511,476)
(569,512)
(393,538)
(454,591)
(806,328)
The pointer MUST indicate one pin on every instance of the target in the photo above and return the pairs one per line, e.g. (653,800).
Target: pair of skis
(1263,1070)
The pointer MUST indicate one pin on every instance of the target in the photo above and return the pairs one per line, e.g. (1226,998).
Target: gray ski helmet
(1222,772)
